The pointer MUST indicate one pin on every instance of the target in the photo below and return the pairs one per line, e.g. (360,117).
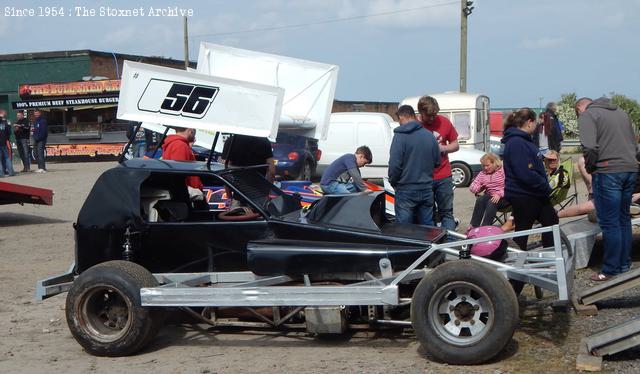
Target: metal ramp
(614,339)
(609,288)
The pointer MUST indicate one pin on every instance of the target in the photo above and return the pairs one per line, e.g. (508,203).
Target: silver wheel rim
(104,313)
(461,313)
(457,175)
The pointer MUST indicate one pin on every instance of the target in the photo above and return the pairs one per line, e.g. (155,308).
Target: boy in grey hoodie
(609,148)
(413,155)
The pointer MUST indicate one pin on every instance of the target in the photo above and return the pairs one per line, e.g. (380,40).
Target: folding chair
(566,179)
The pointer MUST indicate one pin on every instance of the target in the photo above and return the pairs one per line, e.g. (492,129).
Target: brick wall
(365,106)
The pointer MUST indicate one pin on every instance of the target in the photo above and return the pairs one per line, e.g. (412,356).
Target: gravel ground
(37,241)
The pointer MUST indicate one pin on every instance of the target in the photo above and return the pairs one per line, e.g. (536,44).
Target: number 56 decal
(177,98)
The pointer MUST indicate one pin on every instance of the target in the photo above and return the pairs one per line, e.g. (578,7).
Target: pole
(540,107)
(463,46)
(186,44)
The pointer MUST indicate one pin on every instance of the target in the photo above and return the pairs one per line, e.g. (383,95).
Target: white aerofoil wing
(180,98)
(309,87)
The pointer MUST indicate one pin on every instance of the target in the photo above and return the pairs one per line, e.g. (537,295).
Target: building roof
(85,52)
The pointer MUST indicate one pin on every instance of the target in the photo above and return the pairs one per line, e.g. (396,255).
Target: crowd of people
(27,135)
(525,181)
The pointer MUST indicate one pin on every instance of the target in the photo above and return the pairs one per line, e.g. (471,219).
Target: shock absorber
(465,252)
(127,253)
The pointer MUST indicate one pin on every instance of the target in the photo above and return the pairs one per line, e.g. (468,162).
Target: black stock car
(138,228)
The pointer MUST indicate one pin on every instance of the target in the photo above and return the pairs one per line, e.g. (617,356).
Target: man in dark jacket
(609,148)
(413,156)
(5,134)
(347,167)
(40,134)
(22,130)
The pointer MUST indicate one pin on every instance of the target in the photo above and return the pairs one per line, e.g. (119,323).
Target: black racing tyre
(454,312)
(460,174)
(104,313)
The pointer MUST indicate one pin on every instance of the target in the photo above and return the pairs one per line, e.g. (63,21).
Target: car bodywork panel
(144,203)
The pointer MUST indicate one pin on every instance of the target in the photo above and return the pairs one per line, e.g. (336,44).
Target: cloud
(543,43)
(614,20)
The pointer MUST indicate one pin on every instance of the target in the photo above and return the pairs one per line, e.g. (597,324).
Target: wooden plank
(584,310)
(586,361)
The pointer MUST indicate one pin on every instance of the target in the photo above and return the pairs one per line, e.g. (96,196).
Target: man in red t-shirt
(447,138)
(177,147)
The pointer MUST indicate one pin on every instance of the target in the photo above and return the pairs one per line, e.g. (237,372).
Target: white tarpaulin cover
(180,98)
(309,86)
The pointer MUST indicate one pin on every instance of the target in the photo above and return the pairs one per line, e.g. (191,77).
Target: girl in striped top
(490,181)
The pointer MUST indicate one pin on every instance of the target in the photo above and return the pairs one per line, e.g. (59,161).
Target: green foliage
(567,115)
(566,111)
(628,105)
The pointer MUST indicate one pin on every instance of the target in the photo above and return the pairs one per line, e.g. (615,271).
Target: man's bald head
(581,105)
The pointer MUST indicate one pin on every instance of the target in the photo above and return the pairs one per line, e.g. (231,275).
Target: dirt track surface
(37,241)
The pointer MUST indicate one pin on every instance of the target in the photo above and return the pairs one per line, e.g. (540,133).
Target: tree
(628,105)
(567,114)
(566,111)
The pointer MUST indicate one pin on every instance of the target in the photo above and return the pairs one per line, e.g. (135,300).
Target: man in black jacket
(5,135)
(22,130)
(413,156)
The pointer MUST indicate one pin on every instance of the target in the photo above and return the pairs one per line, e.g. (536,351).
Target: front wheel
(464,312)
(460,174)
(104,311)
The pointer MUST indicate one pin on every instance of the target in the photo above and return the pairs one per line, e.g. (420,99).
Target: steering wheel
(242,213)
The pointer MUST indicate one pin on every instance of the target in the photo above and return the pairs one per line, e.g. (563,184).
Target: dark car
(143,244)
(296,156)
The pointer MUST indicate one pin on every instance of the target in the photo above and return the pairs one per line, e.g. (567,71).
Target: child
(491,181)
(348,163)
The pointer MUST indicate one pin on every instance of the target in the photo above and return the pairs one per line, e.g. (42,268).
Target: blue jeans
(6,160)
(443,192)
(41,154)
(23,150)
(414,206)
(139,149)
(612,198)
(337,188)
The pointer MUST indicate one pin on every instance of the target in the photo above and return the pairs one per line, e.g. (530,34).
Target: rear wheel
(464,312)
(104,311)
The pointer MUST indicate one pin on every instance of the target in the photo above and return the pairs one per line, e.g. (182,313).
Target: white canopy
(309,87)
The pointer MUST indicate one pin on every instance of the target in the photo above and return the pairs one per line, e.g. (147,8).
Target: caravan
(468,112)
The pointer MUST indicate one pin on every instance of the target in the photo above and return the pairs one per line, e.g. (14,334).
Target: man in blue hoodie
(413,156)
(40,134)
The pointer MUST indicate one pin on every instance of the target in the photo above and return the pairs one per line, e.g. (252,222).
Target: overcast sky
(519,51)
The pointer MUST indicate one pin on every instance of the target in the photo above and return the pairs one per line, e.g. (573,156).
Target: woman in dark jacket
(526,184)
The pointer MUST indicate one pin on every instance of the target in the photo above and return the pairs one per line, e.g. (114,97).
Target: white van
(349,130)
(469,113)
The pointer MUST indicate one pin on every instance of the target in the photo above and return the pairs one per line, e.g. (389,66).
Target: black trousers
(527,210)
(484,212)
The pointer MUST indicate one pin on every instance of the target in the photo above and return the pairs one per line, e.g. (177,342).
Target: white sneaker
(40,171)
